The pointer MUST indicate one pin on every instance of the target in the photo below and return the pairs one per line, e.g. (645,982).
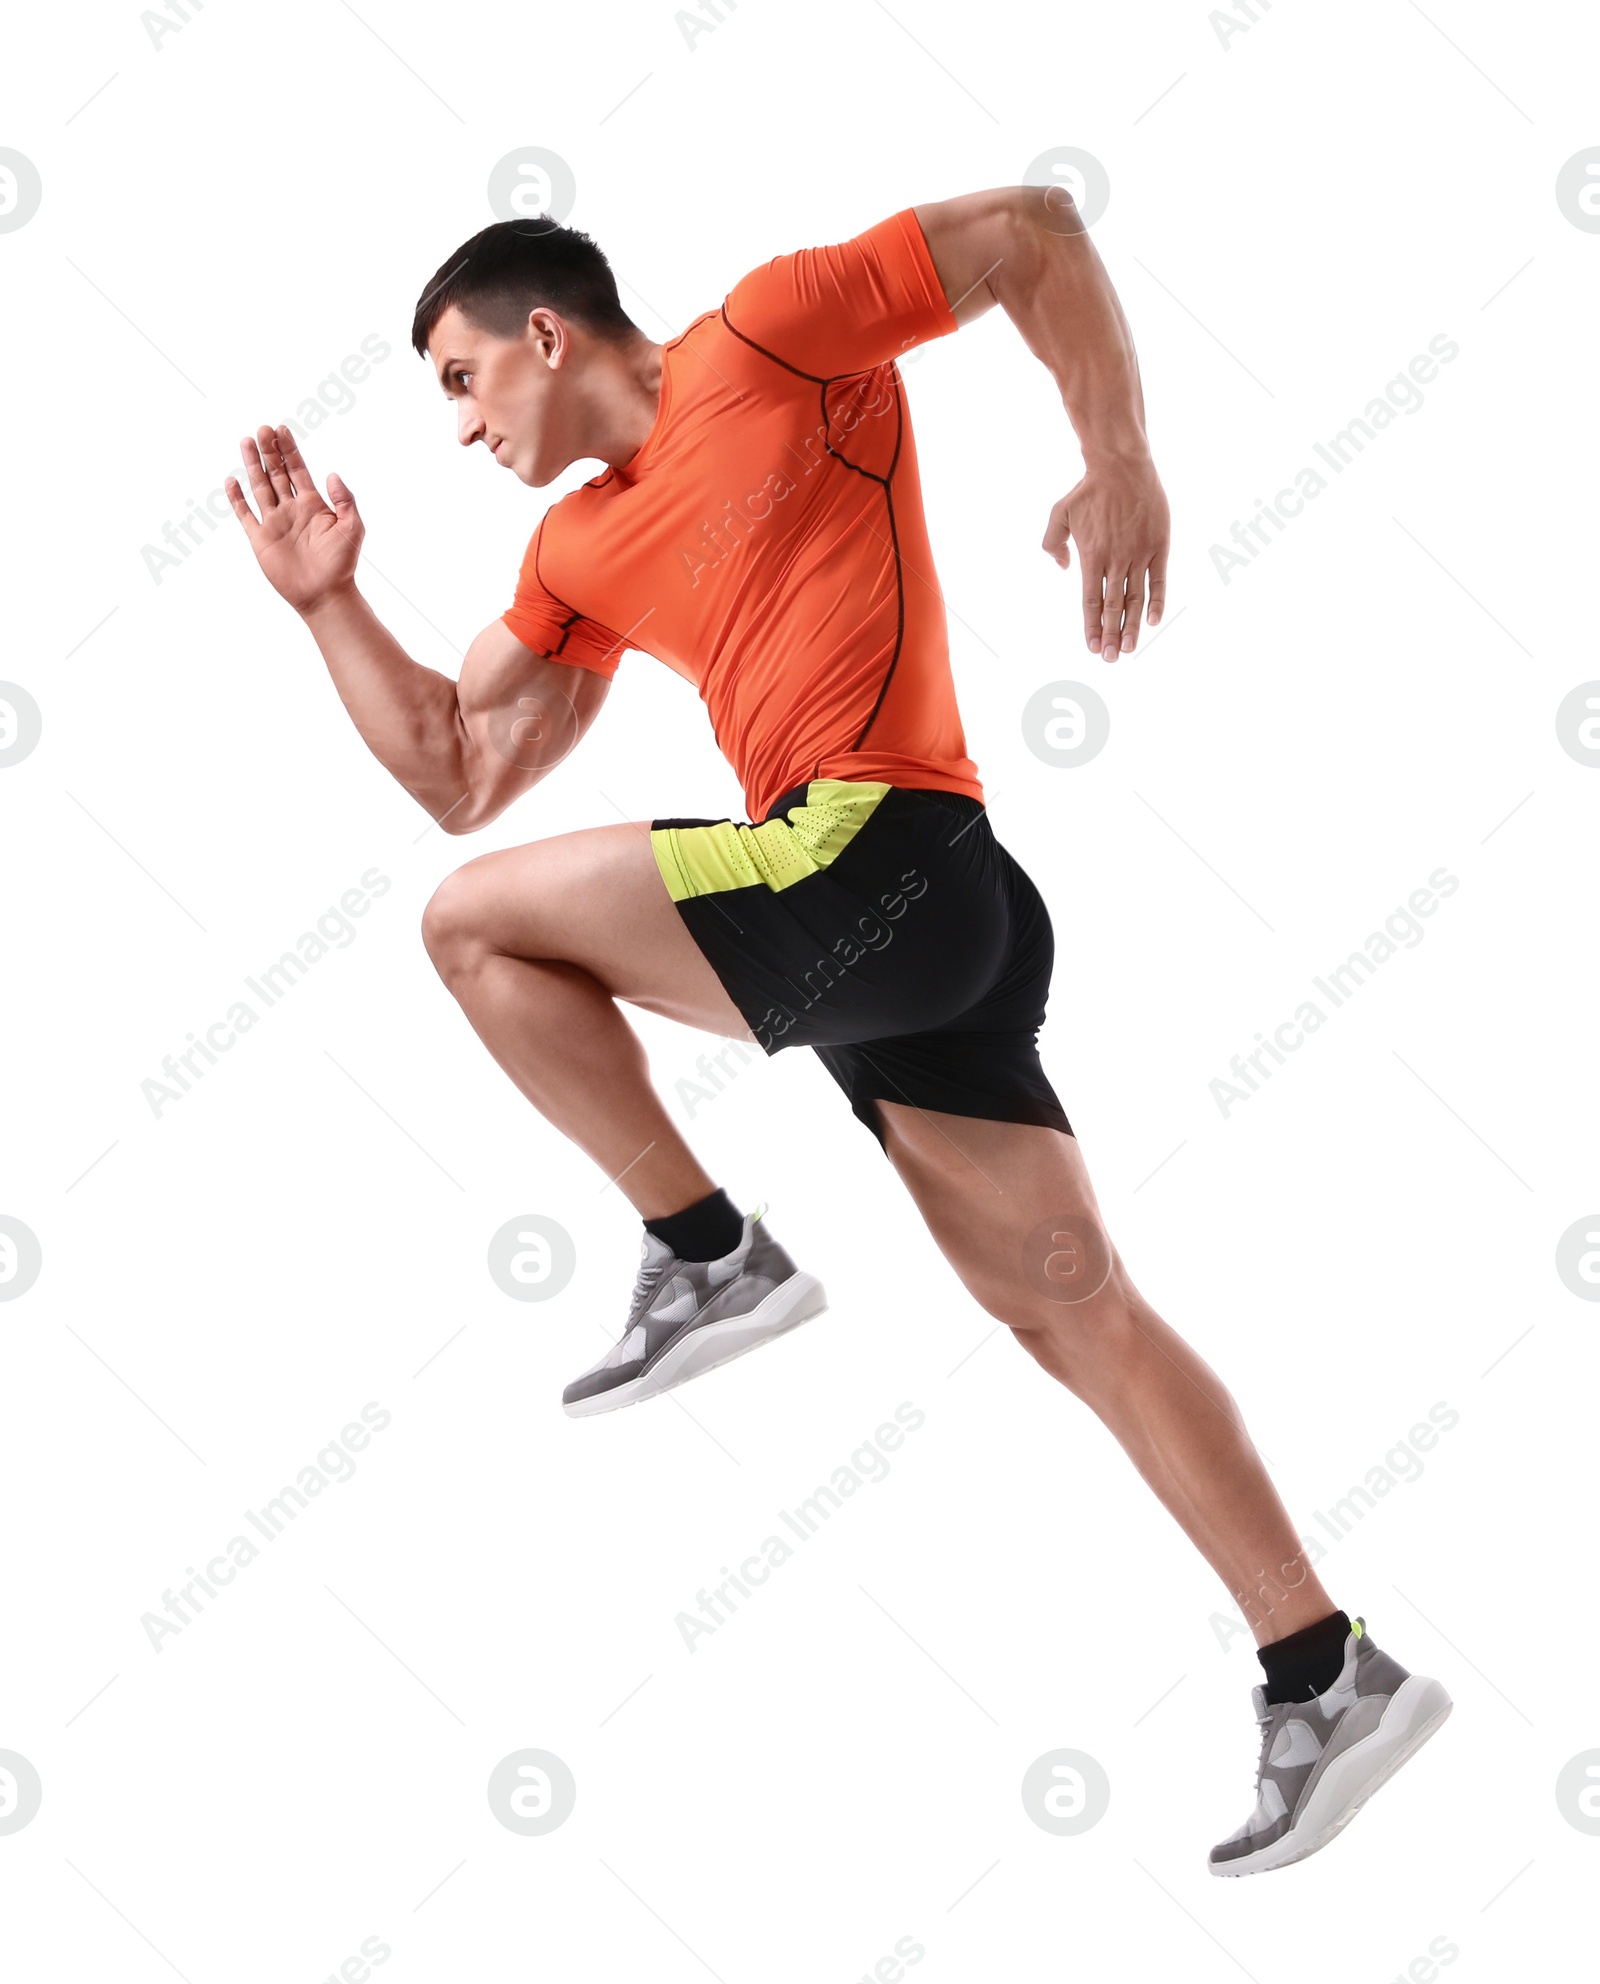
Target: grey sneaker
(689,1316)
(1322,1759)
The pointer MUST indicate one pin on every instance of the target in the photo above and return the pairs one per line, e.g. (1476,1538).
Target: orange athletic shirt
(767,541)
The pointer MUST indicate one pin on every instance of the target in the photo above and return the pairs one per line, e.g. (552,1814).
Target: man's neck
(627,399)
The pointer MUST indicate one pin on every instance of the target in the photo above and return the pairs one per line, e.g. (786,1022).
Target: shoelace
(645,1284)
(644,1287)
(1263,1723)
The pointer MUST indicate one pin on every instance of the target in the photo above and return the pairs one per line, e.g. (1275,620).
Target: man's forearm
(408,715)
(1055,289)
(1025,248)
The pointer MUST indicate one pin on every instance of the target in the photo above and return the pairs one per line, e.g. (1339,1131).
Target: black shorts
(886,928)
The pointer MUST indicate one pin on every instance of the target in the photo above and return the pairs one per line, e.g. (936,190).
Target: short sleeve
(550,627)
(834,311)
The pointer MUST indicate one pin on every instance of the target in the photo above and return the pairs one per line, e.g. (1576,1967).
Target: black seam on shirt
(827,422)
(539,576)
(815,378)
(900,620)
(574,616)
(886,483)
(884,480)
(795,369)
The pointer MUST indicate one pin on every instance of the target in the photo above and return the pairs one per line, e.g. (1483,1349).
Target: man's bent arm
(1026,248)
(463,750)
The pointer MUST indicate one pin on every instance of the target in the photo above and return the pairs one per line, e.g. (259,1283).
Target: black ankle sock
(1305,1663)
(704,1231)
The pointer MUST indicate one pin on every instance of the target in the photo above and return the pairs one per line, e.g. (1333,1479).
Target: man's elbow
(985,246)
(473,810)
(1037,211)
(487,797)
(486,777)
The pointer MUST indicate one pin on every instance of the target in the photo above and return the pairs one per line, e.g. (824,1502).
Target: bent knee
(453,921)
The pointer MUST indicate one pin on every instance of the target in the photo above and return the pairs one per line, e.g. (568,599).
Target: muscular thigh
(1010,1205)
(594,898)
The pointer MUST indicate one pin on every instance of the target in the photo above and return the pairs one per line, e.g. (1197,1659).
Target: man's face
(509,391)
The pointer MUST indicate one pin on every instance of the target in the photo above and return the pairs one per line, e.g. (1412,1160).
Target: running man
(758,527)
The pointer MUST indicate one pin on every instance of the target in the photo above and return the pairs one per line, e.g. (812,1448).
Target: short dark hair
(515,266)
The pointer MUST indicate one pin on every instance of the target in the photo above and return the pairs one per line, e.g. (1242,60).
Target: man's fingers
(1121,542)
(1094,607)
(1057,536)
(299,474)
(266,497)
(1132,608)
(344,503)
(241,509)
(1158,587)
(1111,615)
(272,455)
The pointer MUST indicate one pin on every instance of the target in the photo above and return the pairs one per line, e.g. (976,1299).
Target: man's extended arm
(463,750)
(1025,248)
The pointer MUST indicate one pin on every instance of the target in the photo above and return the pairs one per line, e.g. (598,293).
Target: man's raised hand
(307,549)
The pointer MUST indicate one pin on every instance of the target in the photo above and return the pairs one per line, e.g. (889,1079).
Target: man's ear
(550,335)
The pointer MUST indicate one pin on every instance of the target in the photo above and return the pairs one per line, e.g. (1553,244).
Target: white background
(224,1286)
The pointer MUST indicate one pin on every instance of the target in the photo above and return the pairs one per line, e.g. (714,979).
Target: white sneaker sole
(1416,1709)
(793,1302)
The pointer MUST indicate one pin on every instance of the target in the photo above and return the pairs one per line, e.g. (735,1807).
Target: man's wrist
(1130,450)
(337,603)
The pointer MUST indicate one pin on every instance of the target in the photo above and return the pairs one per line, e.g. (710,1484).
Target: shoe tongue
(1258,1696)
(653,1248)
